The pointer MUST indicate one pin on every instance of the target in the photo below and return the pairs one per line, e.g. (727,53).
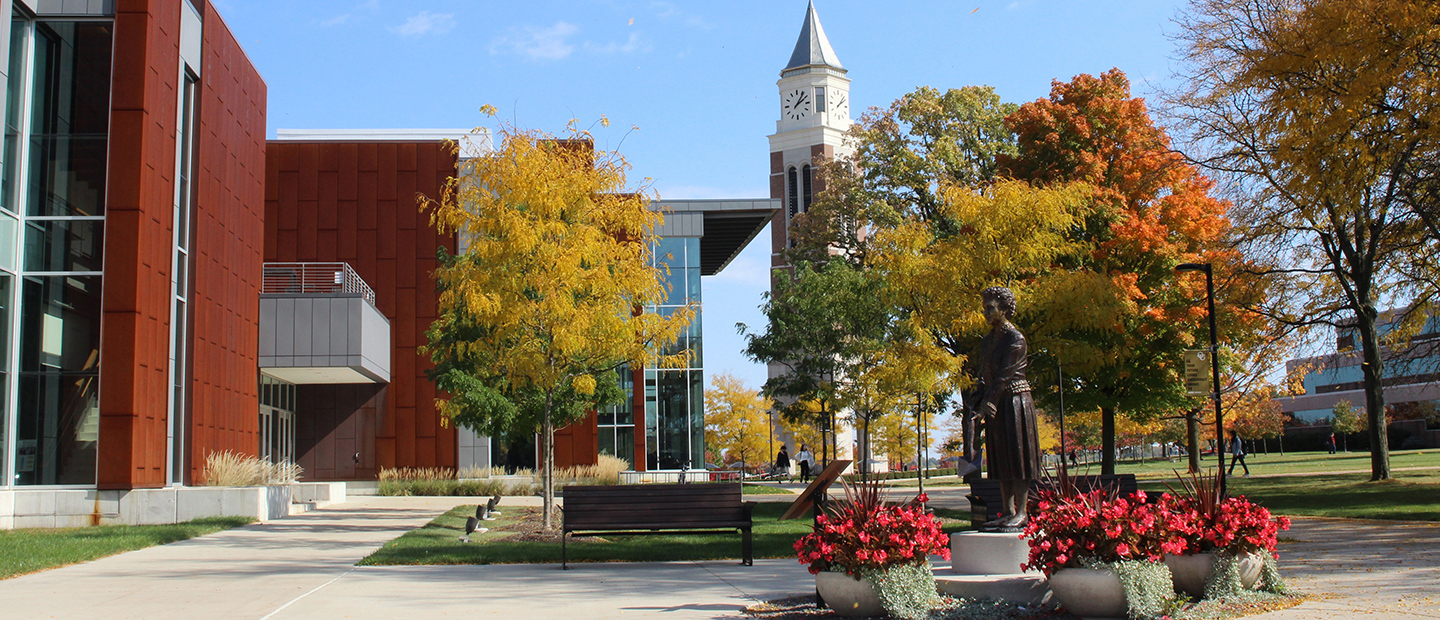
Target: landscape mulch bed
(803,608)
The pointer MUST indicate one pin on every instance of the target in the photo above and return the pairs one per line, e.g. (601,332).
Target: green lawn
(1275,463)
(1406,496)
(30,550)
(438,542)
(764,489)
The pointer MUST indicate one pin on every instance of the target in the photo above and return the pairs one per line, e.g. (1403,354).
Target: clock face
(840,103)
(796,104)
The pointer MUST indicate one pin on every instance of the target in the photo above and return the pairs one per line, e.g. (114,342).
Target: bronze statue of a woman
(1007,409)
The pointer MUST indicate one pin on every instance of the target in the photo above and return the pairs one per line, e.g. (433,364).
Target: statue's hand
(987,410)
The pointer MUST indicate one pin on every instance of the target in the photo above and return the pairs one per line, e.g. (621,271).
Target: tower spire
(812,48)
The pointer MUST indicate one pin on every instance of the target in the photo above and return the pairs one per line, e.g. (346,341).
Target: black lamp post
(1214,364)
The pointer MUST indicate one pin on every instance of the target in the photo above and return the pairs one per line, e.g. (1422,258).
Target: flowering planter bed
(1095,545)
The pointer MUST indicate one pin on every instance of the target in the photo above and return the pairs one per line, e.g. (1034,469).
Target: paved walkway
(303,567)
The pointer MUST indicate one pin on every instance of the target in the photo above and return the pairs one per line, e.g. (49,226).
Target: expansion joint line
(297,599)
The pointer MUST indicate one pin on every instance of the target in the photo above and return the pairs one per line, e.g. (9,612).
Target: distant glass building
(1411,376)
(698,238)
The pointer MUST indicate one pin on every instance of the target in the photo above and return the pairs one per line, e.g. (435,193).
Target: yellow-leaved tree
(737,420)
(545,302)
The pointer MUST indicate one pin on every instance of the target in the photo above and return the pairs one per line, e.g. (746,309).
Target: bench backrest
(684,505)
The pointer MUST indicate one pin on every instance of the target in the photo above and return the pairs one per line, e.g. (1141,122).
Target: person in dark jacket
(1007,409)
(782,462)
(1237,454)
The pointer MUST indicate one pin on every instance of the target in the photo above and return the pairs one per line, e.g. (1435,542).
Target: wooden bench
(706,508)
(985,500)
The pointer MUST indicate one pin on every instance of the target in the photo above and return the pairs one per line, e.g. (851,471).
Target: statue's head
(1002,297)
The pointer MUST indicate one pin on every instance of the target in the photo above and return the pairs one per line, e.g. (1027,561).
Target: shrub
(478,482)
(228,469)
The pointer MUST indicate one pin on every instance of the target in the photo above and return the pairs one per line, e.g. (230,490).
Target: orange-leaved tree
(1151,210)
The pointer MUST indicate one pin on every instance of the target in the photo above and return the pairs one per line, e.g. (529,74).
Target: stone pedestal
(987,565)
(986,553)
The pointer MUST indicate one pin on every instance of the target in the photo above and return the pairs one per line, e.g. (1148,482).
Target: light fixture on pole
(1214,364)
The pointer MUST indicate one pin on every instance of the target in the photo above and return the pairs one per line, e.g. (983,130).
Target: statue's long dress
(1012,437)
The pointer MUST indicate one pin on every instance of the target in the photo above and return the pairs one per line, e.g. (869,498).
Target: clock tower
(814,115)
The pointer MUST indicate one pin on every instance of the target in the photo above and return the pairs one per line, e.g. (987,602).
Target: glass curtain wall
(9,235)
(616,427)
(675,398)
(56,127)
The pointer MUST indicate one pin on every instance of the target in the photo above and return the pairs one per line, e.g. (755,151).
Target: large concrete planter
(1089,592)
(1192,572)
(848,596)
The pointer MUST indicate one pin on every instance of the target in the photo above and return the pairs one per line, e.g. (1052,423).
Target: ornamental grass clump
(230,469)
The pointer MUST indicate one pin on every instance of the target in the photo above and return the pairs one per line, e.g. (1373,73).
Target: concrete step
(300,508)
(1023,588)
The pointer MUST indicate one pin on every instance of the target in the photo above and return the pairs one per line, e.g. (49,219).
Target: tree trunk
(1192,439)
(547,469)
(1107,441)
(1374,394)
(865,450)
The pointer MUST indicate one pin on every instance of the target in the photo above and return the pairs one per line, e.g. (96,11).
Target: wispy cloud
(668,11)
(632,44)
(427,23)
(537,43)
(370,6)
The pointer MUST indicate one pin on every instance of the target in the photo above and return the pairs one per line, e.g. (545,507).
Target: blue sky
(696,78)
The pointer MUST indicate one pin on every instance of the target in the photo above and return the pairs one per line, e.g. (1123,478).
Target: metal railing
(314,279)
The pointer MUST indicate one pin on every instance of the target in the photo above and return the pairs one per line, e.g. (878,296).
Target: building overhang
(725,226)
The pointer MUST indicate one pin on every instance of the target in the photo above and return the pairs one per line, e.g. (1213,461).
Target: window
(180,279)
(793,187)
(54,176)
(819,99)
(809,195)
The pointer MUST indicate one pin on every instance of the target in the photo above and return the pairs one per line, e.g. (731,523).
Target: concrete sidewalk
(303,567)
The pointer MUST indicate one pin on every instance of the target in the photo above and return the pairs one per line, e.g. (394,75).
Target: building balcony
(319,324)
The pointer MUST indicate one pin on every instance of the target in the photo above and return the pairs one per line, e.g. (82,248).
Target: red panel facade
(134,351)
(577,444)
(355,202)
(139,244)
(226,253)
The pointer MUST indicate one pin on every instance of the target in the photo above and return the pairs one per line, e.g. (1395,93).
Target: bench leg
(745,550)
(564,551)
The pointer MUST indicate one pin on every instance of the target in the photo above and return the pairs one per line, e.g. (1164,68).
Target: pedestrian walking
(782,462)
(1330,443)
(1237,454)
(804,460)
